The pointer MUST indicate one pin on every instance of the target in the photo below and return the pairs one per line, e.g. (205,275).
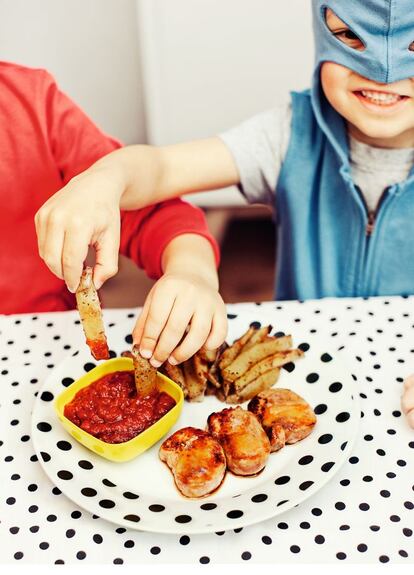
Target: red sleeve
(75,140)
(146,233)
(77,143)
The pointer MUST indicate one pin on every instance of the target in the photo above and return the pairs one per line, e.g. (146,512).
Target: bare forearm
(146,174)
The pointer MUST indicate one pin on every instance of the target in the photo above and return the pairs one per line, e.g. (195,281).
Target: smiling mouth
(385,99)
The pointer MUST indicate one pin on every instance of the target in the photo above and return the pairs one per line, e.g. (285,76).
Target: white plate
(141,494)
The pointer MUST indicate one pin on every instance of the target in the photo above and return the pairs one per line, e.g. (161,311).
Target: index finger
(74,252)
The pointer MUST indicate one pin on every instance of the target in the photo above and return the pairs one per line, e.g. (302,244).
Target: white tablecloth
(365,514)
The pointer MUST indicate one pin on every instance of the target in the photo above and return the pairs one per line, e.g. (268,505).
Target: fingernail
(155,363)
(172,360)
(145,353)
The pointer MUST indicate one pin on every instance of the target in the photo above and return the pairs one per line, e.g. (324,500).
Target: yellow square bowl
(129,449)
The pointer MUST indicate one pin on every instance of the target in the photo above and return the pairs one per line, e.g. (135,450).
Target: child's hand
(407,400)
(176,302)
(84,213)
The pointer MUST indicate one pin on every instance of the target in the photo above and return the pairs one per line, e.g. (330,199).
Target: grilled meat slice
(242,437)
(196,460)
(285,416)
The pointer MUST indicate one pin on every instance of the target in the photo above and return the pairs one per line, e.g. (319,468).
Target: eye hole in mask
(343,32)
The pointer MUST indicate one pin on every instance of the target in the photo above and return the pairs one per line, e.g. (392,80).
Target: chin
(380,130)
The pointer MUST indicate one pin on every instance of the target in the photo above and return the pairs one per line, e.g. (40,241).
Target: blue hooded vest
(323,248)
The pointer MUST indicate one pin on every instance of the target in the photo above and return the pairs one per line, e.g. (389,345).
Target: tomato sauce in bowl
(110,410)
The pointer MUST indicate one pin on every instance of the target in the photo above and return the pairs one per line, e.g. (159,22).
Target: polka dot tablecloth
(365,514)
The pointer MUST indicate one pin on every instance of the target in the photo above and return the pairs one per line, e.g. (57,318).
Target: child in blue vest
(335,162)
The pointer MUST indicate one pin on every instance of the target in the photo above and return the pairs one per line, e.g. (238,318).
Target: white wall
(91,46)
(208,64)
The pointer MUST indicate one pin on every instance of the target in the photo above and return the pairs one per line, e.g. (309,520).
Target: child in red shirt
(45,141)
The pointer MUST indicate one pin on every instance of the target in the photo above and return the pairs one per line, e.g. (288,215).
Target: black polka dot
(11,500)
(129,544)
(407,532)
(85,464)
(312,377)
(133,518)
(304,346)
(65,475)
(283,525)
(320,409)
(128,338)
(156,508)
(66,381)
(340,505)
(342,417)
(107,503)
(204,560)
(335,387)
(64,445)
(44,426)
(18,555)
(51,518)
(97,538)
(89,366)
(327,466)
(319,539)
(305,460)
(341,556)
(402,553)
(184,540)
(130,495)
(395,518)
(89,492)
(374,528)
(47,396)
(384,559)
(385,493)
(155,550)
(316,511)
(246,555)
(259,498)
(289,367)
(282,480)
(118,561)
(80,555)
(344,527)
(70,533)
(45,456)
(295,549)
(44,545)
(234,514)
(108,483)
(305,485)
(325,438)
(304,525)
(267,540)
(32,487)
(326,357)
(401,463)
(364,506)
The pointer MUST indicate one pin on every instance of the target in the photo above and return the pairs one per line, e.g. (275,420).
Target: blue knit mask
(386,28)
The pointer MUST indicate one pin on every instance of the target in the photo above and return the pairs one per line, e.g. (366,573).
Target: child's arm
(129,178)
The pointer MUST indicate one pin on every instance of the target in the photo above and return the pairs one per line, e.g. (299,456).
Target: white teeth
(380,97)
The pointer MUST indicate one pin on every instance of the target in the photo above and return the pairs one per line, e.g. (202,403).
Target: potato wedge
(230,354)
(259,335)
(175,373)
(89,307)
(195,387)
(208,355)
(263,382)
(255,354)
(270,362)
(145,374)
(213,374)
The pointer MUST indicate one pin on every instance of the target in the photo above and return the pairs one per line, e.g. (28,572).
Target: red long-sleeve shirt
(45,140)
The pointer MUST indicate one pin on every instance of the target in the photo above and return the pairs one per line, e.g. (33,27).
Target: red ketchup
(110,409)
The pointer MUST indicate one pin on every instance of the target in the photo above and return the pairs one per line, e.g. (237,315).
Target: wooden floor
(246,270)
